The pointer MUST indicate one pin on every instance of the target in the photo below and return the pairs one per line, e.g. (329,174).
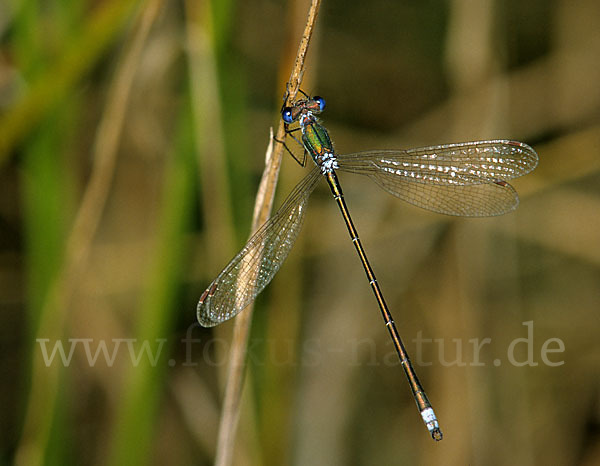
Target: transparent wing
(466,179)
(255,265)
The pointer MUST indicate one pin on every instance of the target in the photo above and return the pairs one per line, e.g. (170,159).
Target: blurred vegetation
(132,136)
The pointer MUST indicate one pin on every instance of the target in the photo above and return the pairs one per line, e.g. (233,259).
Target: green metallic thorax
(316,139)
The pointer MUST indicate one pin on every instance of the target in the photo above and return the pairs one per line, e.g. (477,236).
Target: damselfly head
(315,104)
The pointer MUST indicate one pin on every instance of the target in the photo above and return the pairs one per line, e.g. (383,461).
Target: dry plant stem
(54,314)
(262,210)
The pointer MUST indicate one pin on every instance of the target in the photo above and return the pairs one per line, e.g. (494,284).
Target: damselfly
(466,179)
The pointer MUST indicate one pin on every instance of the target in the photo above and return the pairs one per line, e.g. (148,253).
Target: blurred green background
(132,139)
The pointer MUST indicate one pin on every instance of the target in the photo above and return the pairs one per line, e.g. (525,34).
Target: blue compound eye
(286,114)
(320,101)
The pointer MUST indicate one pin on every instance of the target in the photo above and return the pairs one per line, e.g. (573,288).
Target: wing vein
(255,265)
